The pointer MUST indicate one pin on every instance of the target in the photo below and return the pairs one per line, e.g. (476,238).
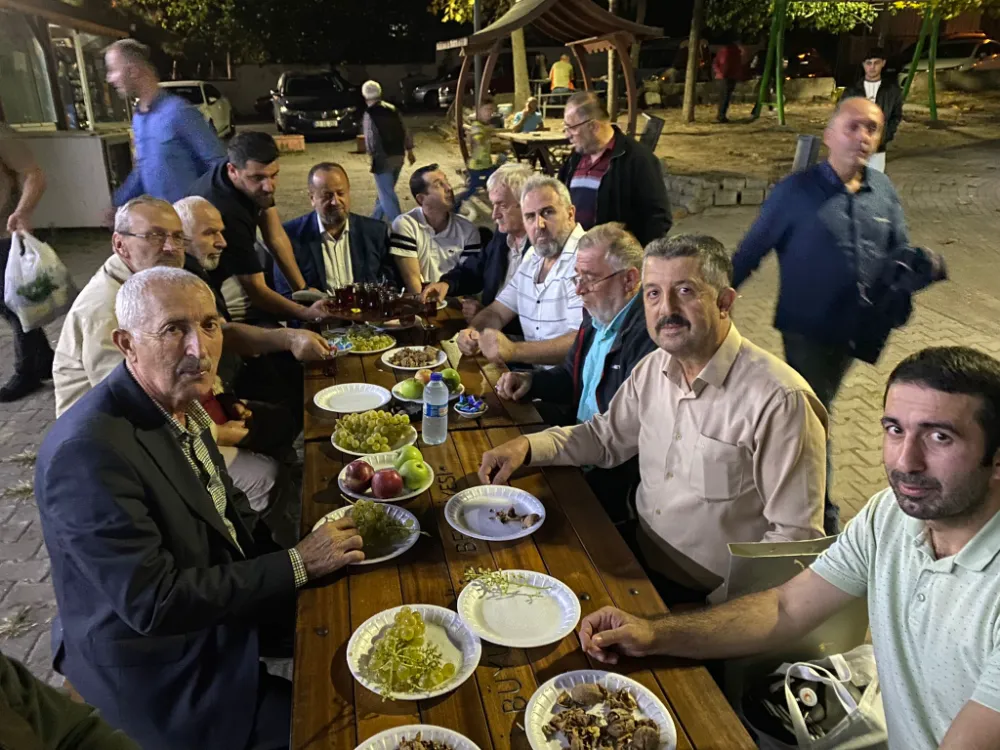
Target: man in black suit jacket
(167,589)
(334,247)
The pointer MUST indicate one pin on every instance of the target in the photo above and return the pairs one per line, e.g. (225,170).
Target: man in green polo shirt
(924,552)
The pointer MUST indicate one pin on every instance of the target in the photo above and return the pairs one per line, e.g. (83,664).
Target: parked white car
(213,106)
(960,52)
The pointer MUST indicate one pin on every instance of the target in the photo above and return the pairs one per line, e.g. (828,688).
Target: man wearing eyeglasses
(611,176)
(610,343)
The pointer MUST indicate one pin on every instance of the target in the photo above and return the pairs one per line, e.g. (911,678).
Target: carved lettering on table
(465,544)
(514,705)
(446,483)
(495,658)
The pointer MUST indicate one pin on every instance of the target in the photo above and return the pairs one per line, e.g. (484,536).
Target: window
(24,82)
(212,93)
(191,93)
(312,86)
(108,105)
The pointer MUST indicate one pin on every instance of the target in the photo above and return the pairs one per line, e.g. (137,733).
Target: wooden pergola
(581,25)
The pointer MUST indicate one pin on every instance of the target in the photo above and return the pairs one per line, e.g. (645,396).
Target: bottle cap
(436,376)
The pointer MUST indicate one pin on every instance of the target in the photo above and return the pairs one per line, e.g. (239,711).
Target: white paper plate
(451,396)
(409,438)
(442,358)
(352,397)
(542,706)
(469,512)
(383,461)
(442,304)
(515,620)
(458,645)
(390,738)
(394,550)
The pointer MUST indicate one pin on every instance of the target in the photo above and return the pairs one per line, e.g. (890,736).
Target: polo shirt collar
(975,556)
(613,327)
(435,233)
(160,97)
(826,169)
(717,369)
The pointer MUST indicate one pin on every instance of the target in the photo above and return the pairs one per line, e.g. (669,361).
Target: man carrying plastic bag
(22,183)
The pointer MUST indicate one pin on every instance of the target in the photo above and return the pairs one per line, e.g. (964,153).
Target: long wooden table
(577,544)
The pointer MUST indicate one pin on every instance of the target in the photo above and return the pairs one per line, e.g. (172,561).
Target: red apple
(387,483)
(358,476)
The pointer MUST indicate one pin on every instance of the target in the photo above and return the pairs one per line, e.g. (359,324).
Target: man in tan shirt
(731,440)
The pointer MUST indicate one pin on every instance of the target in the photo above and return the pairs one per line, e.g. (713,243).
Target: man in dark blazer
(334,247)
(168,590)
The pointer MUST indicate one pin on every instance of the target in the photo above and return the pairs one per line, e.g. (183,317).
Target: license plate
(326,123)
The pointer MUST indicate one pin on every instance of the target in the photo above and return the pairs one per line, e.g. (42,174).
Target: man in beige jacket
(731,440)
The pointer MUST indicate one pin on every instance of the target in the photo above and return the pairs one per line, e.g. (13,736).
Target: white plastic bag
(37,286)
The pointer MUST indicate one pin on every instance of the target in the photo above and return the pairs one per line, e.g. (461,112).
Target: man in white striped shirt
(542,293)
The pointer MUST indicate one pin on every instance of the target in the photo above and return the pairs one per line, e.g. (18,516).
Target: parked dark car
(317,104)
(440,92)
(799,63)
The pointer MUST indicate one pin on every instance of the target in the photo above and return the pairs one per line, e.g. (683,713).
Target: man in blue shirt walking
(174,145)
(847,268)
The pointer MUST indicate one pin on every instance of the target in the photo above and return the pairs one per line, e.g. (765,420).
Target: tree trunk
(640,17)
(917,52)
(612,71)
(694,57)
(781,10)
(522,81)
(229,64)
(931,62)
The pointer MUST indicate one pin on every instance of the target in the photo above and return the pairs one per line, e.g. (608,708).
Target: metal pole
(780,9)
(917,52)
(81,63)
(931,61)
(765,76)
(477,22)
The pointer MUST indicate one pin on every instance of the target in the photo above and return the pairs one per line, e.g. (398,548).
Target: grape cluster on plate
(377,528)
(367,339)
(370,431)
(401,662)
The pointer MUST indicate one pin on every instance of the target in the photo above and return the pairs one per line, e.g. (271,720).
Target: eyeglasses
(584,284)
(177,239)
(567,128)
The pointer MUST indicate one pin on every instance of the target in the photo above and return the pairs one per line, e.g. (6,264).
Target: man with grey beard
(542,293)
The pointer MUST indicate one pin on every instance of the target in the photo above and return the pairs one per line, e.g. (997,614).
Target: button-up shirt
(550,308)
(593,363)
(935,622)
(190,436)
(336,256)
(515,253)
(739,455)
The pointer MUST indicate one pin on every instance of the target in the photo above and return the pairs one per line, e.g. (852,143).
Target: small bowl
(471,414)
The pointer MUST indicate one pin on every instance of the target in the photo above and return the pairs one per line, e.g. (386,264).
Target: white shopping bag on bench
(37,286)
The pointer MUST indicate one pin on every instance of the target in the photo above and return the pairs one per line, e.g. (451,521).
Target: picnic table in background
(577,544)
(546,147)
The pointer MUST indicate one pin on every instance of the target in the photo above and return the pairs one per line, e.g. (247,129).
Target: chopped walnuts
(615,728)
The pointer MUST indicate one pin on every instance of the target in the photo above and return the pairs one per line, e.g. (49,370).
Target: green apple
(415,474)
(411,388)
(407,453)
(451,378)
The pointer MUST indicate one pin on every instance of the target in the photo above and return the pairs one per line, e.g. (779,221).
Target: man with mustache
(847,267)
(730,439)
(168,590)
(923,552)
(334,246)
(242,187)
(541,294)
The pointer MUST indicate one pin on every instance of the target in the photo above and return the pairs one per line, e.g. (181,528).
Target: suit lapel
(359,258)
(314,241)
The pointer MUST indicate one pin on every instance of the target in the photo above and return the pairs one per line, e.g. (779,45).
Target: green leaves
(752,16)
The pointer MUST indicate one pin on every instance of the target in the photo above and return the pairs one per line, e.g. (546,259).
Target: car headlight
(445,90)
(345,111)
(292,112)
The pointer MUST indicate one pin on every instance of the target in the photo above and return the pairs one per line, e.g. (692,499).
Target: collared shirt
(871,89)
(593,363)
(737,456)
(86,353)
(532,121)
(174,146)
(438,252)
(515,254)
(831,245)
(935,622)
(585,183)
(192,442)
(336,256)
(551,308)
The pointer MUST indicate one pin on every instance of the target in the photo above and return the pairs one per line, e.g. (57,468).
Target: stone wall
(692,194)
(956,80)
(707,92)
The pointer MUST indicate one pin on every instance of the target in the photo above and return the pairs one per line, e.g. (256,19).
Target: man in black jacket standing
(610,342)
(386,140)
(610,176)
(886,94)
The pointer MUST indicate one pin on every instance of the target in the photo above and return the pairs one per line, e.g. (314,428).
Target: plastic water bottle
(435,424)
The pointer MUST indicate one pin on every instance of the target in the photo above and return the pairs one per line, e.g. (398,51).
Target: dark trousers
(824,368)
(477,180)
(28,346)
(726,87)
(272,721)
(276,379)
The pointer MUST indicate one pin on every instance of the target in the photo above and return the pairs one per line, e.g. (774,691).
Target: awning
(90,20)
(565,21)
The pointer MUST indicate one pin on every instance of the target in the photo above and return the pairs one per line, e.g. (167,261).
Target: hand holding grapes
(331,547)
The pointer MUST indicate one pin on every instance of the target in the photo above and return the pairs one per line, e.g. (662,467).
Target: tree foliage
(753,16)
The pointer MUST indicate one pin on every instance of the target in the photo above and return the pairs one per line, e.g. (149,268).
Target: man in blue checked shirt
(847,268)
(174,145)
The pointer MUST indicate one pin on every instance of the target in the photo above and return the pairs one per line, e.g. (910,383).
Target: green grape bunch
(402,662)
(370,431)
(367,339)
(377,528)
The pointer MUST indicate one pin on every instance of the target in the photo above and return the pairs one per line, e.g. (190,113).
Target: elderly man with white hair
(542,294)
(168,590)
(386,140)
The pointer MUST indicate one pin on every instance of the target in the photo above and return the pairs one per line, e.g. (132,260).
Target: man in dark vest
(386,140)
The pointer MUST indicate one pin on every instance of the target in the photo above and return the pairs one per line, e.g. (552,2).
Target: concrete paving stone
(30,593)
(11,532)
(725,197)
(19,648)
(751,197)
(31,571)
(20,551)
(734,183)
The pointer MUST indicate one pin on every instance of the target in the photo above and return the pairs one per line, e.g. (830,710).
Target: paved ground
(953,205)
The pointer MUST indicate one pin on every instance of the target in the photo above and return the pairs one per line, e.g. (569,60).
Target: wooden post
(584,75)
(484,84)
(931,61)
(612,71)
(463,76)
(780,8)
(765,76)
(917,52)
(621,47)
(694,58)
